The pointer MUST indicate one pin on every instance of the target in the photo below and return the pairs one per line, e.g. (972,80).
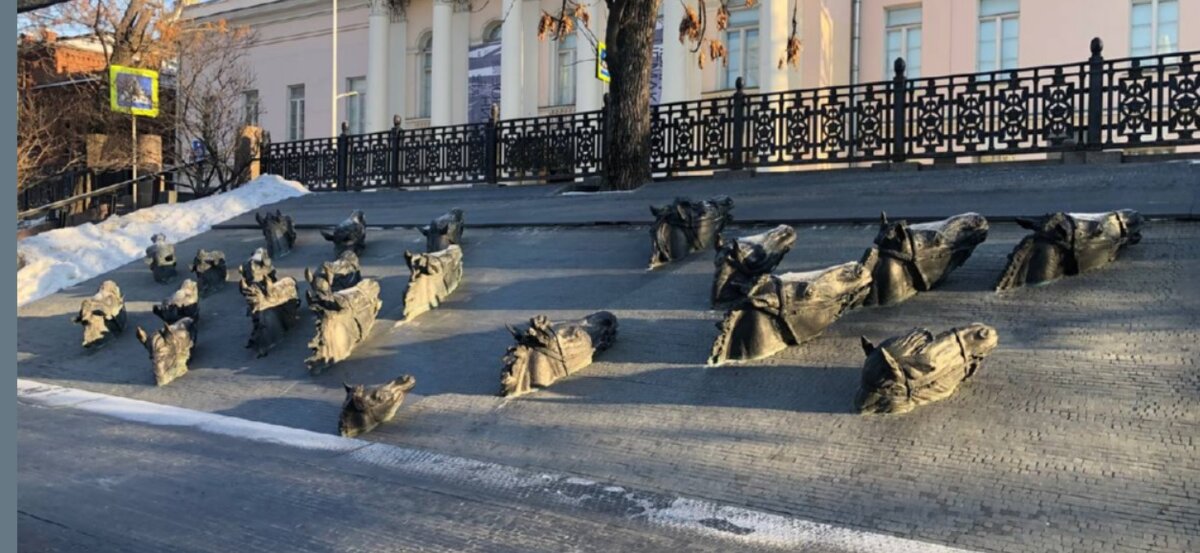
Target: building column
(589,91)
(512,60)
(441,108)
(531,55)
(677,57)
(398,83)
(773,25)
(377,67)
(774,19)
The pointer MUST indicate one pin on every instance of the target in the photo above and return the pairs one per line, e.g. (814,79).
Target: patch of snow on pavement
(65,257)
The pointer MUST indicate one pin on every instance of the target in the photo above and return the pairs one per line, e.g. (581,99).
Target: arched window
(564,80)
(492,32)
(426,75)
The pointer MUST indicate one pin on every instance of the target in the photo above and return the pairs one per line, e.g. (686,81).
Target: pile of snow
(65,257)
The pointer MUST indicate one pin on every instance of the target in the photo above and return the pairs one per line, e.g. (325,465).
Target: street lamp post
(333,126)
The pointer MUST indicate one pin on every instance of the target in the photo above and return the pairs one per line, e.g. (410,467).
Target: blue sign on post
(198,151)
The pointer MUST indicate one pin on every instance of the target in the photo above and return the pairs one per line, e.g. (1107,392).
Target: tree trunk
(630,41)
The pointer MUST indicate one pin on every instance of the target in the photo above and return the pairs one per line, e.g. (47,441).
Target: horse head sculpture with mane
(210,270)
(333,276)
(444,231)
(170,349)
(546,352)
(432,278)
(790,309)
(160,256)
(272,303)
(917,258)
(185,302)
(278,231)
(919,367)
(366,408)
(344,319)
(350,234)
(102,315)
(685,227)
(741,261)
(1066,244)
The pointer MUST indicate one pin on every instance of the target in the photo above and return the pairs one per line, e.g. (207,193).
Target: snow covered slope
(64,257)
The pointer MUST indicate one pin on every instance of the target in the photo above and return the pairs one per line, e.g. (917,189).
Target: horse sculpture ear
(867,346)
(512,331)
(141,335)
(1027,223)
(349,388)
(259,218)
(308,275)
(408,258)
(656,211)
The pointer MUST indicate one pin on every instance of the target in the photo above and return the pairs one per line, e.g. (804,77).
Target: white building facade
(444,62)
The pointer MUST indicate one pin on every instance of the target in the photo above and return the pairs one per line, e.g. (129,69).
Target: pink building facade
(441,62)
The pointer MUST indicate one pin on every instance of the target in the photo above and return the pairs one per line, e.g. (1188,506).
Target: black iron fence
(1091,105)
(91,195)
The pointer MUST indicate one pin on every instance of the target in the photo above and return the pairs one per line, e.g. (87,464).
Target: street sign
(198,151)
(133,91)
(602,62)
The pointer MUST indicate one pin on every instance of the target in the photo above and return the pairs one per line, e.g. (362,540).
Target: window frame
(728,81)
(998,42)
(296,107)
(558,86)
(904,29)
(1155,6)
(425,76)
(356,105)
(251,107)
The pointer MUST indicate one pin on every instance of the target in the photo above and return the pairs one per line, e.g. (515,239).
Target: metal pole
(333,127)
(134,149)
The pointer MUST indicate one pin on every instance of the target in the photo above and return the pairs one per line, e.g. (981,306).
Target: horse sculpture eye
(983,333)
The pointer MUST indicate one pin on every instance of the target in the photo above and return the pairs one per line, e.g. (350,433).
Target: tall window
(1154,27)
(426,76)
(250,108)
(356,87)
(564,80)
(296,112)
(998,30)
(741,37)
(903,40)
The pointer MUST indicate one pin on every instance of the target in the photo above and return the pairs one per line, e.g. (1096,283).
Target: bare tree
(212,79)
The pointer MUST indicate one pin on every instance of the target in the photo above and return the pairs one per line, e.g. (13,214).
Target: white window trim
(424,99)
(904,28)
(726,82)
(359,126)
(556,88)
(998,44)
(1153,27)
(296,107)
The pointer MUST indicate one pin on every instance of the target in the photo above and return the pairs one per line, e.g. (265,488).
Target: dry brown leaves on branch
(791,54)
(689,27)
(722,17)
(583,15)
(547,25)
(717,49)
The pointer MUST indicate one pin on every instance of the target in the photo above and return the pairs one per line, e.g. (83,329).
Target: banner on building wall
(656,64)
(483,81)
(133,91)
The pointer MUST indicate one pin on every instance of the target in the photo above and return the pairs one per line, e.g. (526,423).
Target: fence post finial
(345,127)
(1097,46)
(899,66)
(397,121)
(1095,97)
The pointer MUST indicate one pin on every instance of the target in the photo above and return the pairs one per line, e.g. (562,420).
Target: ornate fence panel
(1026,110)
(823,125)
(313,162)
(550,147)
(1090,105)
(369,159)
(1151,101)
(692,136)
(454,154)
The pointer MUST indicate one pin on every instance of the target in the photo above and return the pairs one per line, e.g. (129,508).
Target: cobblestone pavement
(1159,188)
(1078,434)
